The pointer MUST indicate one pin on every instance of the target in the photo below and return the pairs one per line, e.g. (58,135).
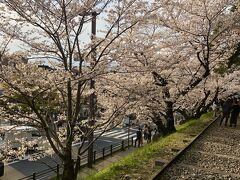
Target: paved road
(22,168)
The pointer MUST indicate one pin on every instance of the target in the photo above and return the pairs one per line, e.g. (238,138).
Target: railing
(43,174)
(97,155)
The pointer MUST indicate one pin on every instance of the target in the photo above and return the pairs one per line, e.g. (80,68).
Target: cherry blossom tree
(199,100)
(57,30)
(229,80)
(151,58)
(180,46)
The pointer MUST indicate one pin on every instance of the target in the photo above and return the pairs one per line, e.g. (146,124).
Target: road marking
(125,134)
(105,140)
(118,133)
(133,135)
(107,133)
(112,133)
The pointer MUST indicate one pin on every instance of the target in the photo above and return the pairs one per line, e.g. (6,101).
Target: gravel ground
(181,171)
(211,161)
(216,147)
(221,140)
(215,155)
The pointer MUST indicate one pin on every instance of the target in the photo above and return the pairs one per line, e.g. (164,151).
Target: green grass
(186,127)
(140,163)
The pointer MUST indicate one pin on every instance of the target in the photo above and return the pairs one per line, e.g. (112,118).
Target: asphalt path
(22,168)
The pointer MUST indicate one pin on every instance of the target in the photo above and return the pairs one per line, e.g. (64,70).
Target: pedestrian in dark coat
(149,135)
(235,113)
(226,110)
(139,137)
(145,132)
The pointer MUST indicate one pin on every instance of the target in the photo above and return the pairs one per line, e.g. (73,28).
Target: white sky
(17,45)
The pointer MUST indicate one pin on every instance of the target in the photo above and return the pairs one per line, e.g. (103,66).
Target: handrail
(108,150)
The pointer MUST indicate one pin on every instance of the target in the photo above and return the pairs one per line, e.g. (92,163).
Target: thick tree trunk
(160,126)
(184,113)
(169,117)
(68,169)
(160,81)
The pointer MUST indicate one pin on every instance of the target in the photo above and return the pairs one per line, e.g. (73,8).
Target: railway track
(213,155)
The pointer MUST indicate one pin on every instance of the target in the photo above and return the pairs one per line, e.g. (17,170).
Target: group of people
(230,109)
(146,134)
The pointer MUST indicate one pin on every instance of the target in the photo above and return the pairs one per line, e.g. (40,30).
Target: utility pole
(92,101)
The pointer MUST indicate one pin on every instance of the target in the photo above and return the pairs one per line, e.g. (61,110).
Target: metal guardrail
(42,174)
(97,155)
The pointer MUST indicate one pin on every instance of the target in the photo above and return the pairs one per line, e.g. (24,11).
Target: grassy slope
(140,163)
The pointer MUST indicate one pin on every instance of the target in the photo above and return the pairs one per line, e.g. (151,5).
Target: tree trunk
(184,113)
(160,126)
(90,150)
(203,106)
(68,169)
(160,81)
(77,166)
(169,117)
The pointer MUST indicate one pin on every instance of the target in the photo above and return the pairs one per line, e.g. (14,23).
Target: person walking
(141,141)
(145,132)
(235,113)
(155,135)
(139,137)
(149,135)
(1,168)
(226,110)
